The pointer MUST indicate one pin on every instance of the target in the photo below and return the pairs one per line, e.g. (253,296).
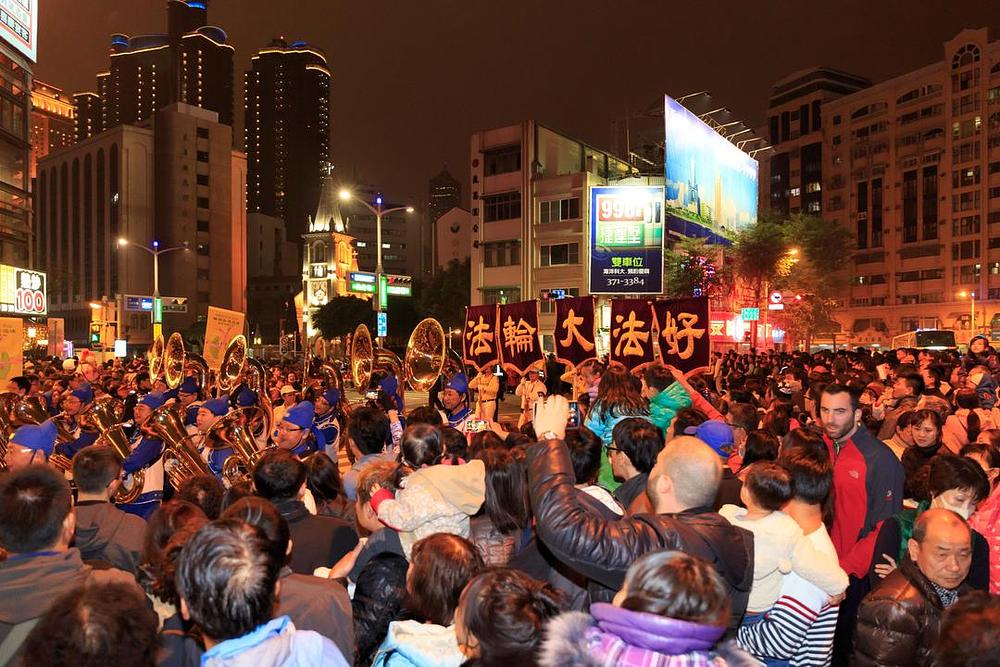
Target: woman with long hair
(618,396)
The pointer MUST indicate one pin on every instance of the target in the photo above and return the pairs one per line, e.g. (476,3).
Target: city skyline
(401,110)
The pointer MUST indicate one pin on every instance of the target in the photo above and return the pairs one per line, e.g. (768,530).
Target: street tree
(692,269)
(341,314)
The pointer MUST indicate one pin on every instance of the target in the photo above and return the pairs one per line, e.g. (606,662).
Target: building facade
(287,105)
(452,237)
(912,168)
(87,119)
(443,194)
(52,121)
(273,275)
(15,157)
(175,180)
(400,234)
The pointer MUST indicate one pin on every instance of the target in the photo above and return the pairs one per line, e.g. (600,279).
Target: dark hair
(453,443)
(926,414)
(169,528)
(323,477)
(240,489)
(955,472)
(440,567)
(516,439)
(769,484)
(420,446)
(368,428)
(484,440)
(95,626)
(94,468)
(264,516)
(618,394)
(279,475)
(807,460)
(990,453)
(676,585)
(23,383)
(836,388)
(759,446)
(506,611)
(227,577)
(777,423)
(424,414)
(914,381)
(970,632)
(34,502)
(657,377)
(905,419)
(585,451)
(205,491)
(382,473)
(969,399)
(686,418)
(743,415)
(640,440)
(507,504)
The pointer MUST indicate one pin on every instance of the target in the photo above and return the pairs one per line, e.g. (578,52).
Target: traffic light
(95,334)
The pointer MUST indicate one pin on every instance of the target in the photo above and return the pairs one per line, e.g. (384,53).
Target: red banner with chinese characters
(518,335)
(683,332)
(479,337)
(575,334)
(631,333)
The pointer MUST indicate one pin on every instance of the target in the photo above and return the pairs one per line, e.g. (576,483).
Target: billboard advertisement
(22,291)
(711,185)
(19,26)
(626,239)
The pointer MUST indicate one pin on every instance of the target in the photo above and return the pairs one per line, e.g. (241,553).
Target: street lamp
(155,251)
(378,211)
(972,309)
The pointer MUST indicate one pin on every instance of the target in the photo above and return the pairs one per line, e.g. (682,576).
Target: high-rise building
(791,174)
(287,131)
(911,166)
(175,180)
(87,115)
(444,193)
(52,121)
(191,63)
(15,151)
(400,255)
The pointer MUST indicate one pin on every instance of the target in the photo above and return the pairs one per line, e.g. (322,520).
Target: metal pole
(972,321)
(378,267)
(157,312)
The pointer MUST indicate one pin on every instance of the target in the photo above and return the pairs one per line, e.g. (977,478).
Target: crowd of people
(776,508)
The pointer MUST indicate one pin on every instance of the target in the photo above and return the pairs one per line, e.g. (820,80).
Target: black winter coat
(378,600)
(603,550)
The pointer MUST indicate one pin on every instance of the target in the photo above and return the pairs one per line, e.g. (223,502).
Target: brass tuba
(366,359)
(181,459)
(232,364)
(31,410)
(154,358)
(7,400)
(105,415)
(174,361)
(425,355)
(232,431)
(198,367)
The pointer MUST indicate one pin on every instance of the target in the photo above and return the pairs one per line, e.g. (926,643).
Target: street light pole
(155,251)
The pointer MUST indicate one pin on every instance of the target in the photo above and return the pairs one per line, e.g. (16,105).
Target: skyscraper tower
(444,194)
(287,104)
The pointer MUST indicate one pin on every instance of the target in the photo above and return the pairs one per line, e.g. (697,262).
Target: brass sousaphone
(366,359)
(425,355)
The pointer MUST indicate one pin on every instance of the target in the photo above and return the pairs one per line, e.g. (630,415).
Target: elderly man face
(941,547)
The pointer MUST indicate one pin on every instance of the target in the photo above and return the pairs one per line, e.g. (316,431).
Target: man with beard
(867,488)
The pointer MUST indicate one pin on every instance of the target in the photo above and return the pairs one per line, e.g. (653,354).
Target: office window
(910,206)
(506,206)
(929,203)
(202,179)
(965,250)
(202,202)
(502,160)
(502,253)
(501,295)
(559,209)
(961,178)
(202,249)
(965,275)
(203,225)
(202,133)
(560,254)
(970,224)
(202,156)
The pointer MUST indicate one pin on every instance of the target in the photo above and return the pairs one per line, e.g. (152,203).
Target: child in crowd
(779,545)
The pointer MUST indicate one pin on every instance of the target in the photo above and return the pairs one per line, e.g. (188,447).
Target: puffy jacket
(378,600)
(664,406)
(603,550)
(415,644)
(602,425)
(899,622)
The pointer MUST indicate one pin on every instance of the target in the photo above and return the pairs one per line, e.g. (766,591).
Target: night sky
(412,79)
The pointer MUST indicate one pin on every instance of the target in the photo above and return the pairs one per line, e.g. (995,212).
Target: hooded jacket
(411,643)
(664,406)
(104,532)
(615,636)
(277,644)
(603,550)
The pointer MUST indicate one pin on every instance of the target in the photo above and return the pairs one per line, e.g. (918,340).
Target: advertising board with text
(22,291)
(19,26)
(626,239)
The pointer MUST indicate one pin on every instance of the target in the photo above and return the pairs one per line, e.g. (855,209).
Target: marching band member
(390,385)
(297,433)
(146,454)
(31,444)
(75,404)
(327,421)
(530,390)
(488,385)
(187,395)
(210,412)
(289,398)
(455,399)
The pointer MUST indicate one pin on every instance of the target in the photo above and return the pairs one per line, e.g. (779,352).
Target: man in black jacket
(682,486)
(320,541)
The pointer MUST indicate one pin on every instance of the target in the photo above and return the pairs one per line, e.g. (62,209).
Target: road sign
(750,314)
(175,304)
(138,303)
(776,297)
(383,325)
(775,306)
(121,348)
(361,281)
(398,285)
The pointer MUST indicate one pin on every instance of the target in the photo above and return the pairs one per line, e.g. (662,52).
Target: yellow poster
(223,325)
(57,336)
(11,348)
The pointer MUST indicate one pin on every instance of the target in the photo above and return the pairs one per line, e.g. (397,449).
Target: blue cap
(389,384)
(41,437)
(716,434)
(246,397)
(217,406)
(153,400)
(84,393)
(459,382)
(332,396)
(301,414)
(189,386)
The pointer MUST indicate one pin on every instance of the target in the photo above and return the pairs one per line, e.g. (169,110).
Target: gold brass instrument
(174,361)
(366,359)
(232,364)
(236,432)
(154,358)
(425,355)
(31,410)
(196,365)
(7,400)
(106,414)
(181,459)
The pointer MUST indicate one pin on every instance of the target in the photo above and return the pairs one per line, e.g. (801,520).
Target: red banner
(479,338)
(631,333)
(518,335)
(683,336)
(575,334)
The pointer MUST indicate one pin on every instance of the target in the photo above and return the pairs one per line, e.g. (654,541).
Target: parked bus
(926,339)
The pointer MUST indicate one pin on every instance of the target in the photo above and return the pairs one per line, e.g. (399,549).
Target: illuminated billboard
(22,291)
(626,239)
(19,26)
(711,185)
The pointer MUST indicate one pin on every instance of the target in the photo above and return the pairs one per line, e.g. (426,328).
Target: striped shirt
(800,626)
